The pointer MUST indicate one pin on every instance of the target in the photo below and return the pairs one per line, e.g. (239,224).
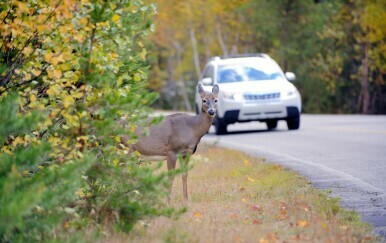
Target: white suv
(252,88)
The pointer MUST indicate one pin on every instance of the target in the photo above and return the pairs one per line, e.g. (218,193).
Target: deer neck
(202,124)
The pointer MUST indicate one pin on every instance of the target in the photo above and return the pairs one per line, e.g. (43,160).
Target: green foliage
(33,193)
(80,70)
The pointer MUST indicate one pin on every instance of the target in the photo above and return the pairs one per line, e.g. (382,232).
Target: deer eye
(203,101)
(215,101)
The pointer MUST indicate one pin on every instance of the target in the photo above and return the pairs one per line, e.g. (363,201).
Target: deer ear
(215,89)
(200,89)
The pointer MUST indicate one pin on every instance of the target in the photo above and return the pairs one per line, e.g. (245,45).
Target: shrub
(79,68)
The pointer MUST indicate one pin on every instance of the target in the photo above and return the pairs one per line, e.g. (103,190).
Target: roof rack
(241,55)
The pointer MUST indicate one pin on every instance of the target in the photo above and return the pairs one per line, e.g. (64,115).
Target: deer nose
(211,112)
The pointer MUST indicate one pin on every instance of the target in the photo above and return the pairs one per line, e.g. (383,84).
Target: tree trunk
(220,39)
(207,40)
(196,57)
(182,87)
(235,49)
(284,33)
(365,80)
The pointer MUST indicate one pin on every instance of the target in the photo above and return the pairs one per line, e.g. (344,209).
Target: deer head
(209,100)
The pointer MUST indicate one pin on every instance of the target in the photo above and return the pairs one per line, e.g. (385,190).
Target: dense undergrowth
(72,78)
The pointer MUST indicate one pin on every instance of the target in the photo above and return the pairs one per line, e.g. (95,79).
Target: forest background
(337,49)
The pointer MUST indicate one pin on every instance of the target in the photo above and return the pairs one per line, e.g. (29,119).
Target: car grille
(267,96)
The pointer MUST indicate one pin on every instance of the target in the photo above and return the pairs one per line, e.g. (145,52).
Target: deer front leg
(171,160)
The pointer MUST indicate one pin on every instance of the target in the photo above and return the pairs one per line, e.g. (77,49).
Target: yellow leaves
(32,98)
(85,2)
(41,28)
(22,7)
(64,29)
(68,101)
(41,19)
(36,72)
(116,162)
(71,120)
(54,90)
(54,140)
(56,59)
(114,55)
(83,22)
(246,162)
(115,18)
(82,194)
(137,77)
(142,54)
(27,76)
(17,141)
(5,30)
(132,128)
(28,50)
(79,38)
(103,24)
(136,153)
(16,32)
(48,56)
(45,124)
(57,74)
(54,74)
(119,81)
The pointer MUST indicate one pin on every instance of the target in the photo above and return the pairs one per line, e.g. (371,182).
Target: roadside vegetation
(72,82)
(238,198)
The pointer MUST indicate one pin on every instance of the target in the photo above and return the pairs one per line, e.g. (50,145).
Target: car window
(248,72)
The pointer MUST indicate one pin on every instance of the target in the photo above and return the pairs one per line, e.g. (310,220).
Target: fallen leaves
(256,207)
(270,237)
(197,215)
(302,223)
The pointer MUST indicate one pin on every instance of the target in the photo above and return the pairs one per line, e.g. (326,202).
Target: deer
(179,135)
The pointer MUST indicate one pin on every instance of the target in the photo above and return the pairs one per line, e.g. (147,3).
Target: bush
(80,69)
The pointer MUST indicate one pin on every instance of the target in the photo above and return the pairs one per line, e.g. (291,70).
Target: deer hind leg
(171,159)
(185,162)
(185,185)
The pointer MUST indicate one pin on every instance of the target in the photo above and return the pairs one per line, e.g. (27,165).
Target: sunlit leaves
(79,64)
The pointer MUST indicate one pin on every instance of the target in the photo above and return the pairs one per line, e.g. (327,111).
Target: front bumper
(258,111)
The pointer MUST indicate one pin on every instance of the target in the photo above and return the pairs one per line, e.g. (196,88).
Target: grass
(238,198)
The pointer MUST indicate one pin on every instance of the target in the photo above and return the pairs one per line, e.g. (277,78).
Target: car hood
(257,86)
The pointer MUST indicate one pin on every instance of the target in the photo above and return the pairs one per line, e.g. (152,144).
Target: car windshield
(248,72)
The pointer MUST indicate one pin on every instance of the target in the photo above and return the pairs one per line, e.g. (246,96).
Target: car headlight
(290,92)
(233,96)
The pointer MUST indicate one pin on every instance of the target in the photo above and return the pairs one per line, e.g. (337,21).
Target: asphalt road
(342,153)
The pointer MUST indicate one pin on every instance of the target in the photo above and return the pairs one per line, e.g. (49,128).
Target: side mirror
(207,81)
(290,76)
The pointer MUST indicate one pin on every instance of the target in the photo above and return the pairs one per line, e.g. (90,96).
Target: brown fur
(179,134)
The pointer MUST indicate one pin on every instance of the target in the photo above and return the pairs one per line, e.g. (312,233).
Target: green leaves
(79,69)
